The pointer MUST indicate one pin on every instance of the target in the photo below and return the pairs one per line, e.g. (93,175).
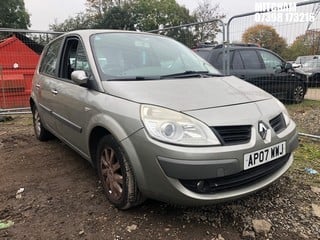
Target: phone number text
(284,17)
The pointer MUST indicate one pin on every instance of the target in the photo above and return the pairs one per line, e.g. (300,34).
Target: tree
(101,6)
(156,14)
(80,21)
(144,15)
(306,44)
(13,14)
(151,14)
(266,36)
(206,11)
(98,9)
(118,17)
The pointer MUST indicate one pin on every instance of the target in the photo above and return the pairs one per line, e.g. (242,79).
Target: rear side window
(49,62)
(216,59)
(251,59)
(202,53)
(237,62)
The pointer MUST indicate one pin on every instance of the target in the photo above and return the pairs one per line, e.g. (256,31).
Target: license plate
(265,155)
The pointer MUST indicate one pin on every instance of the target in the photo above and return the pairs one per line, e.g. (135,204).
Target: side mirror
(79,77)
(288,66)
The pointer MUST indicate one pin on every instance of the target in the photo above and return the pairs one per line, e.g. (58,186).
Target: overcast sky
(45,12)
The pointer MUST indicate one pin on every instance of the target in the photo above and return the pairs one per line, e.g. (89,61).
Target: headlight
(286,117)
(177,128)
(285,113)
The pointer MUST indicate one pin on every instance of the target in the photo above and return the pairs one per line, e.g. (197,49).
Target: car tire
(116,175)
(41,133)
(297,94)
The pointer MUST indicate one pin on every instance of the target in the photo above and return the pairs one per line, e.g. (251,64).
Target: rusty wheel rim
(111,174)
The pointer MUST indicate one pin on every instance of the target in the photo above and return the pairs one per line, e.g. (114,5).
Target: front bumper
(164,172)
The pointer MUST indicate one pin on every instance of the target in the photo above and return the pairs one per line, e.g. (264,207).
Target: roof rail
(238,45)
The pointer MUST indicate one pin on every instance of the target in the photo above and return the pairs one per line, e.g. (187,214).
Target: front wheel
(297,94)
(116,175)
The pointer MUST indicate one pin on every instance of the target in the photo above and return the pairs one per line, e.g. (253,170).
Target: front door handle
(38,86)
(54,92)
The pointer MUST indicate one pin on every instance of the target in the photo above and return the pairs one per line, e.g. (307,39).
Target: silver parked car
(312,70)
(157,121)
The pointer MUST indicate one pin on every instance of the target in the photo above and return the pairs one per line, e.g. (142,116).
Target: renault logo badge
(264,132)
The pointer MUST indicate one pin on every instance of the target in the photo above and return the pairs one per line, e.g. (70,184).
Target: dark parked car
(262,68)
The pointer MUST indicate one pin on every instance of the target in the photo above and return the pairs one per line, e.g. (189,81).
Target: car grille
(232,135)
(234,181)
(278,123)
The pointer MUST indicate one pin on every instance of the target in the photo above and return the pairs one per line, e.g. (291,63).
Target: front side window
(74,58)
(50,59)
(132,55)
(271,61)
(81,61)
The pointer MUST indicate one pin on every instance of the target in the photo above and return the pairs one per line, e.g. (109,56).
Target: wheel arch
(96,134)
(32,103)
(101,125)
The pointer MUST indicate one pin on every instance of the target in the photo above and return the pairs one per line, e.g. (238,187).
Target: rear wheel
(116,175)
(297,94)
(41,133)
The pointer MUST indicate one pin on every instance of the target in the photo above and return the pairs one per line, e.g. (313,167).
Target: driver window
(74,58)
(271,61)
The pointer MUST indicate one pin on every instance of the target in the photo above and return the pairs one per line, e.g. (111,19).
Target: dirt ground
(62,199)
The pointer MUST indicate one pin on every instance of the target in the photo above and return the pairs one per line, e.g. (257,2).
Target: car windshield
(132,56)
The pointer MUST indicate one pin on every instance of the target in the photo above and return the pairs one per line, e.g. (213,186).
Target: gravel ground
(307,117)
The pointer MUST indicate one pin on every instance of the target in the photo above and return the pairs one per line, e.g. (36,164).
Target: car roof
(231,46)
(89,32)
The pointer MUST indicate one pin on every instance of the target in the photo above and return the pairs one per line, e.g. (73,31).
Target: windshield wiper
(189,73)
(134,78)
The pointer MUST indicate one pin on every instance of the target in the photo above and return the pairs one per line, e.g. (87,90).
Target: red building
(19,56)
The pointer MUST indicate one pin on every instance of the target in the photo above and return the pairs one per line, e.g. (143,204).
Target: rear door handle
(38,86)
(53,91)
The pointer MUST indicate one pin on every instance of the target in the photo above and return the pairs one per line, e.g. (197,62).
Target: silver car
(157,121)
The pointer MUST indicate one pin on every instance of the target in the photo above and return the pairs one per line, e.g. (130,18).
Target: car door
(72,108)
(46,82)
(278,81)
(246,64)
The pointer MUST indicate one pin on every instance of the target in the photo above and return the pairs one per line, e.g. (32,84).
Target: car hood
(189,93)
(304,71)
(308,69)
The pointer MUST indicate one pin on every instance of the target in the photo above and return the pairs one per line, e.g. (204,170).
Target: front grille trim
(278,123)
(233,135)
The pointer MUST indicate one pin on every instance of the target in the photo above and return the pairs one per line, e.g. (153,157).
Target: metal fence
(19,54)
(297,24)
(295,39)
